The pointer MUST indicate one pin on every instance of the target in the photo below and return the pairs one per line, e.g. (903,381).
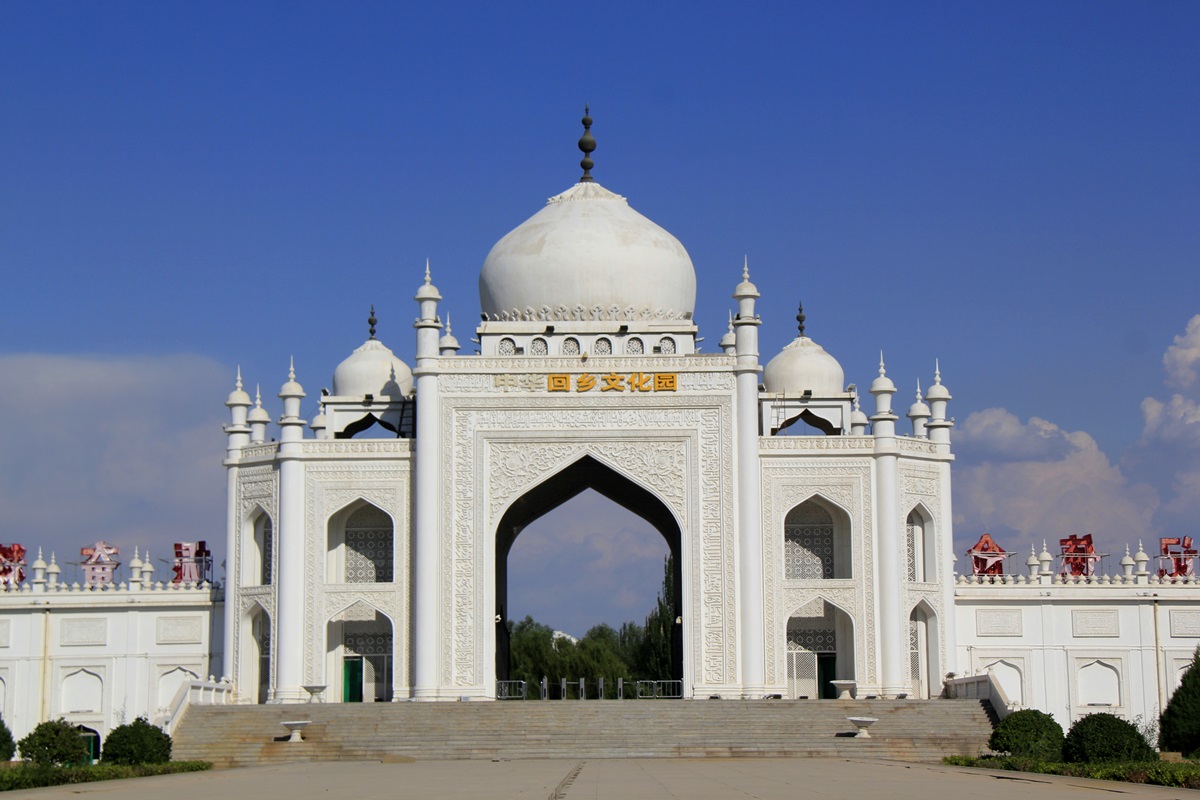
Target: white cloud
(1175,421)
(126,449)
(1026,482)
(1182,359)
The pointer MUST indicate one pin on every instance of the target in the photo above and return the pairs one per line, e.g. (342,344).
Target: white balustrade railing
(196,693)
(979,687)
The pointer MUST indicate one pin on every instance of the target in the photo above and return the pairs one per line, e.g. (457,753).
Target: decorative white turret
(918,412)
(938,398)
(1127,564)
(372,370)
(258,419)
(1033,564)
(882,388)
(728,343)
(426,493)
(39,573)
(52,571)
(803,367)
(291,426)
(236,431)
(858,420)
(448,345)
(135,571)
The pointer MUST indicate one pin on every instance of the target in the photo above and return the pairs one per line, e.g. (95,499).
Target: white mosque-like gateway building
(366,549)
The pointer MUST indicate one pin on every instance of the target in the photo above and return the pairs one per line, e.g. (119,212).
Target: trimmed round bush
(139,742)
(7,746)
(1098,738)
(1028,733)
(1179,725)
(54,742)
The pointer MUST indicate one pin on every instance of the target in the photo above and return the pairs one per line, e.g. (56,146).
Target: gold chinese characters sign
(612,382)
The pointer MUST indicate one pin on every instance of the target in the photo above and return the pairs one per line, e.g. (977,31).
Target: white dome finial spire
(238,384)
(882,369)
(746,268)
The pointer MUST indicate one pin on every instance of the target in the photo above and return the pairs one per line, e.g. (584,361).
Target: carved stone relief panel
(786,484)
(329,489)
(652,439)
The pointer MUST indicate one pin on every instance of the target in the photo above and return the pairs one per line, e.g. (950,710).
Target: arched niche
(254,660)
(82,693)
(583,474)
(1099,684)
(258,550)
(169,683)
(1011,678)
(924,652)
(921,545)
(820,649)
(360,545)
(816,541)
(360,655)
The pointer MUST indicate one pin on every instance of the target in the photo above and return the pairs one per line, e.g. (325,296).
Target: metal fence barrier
(510,690)
(594,689)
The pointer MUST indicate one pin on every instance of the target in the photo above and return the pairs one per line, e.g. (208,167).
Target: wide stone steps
(911,730)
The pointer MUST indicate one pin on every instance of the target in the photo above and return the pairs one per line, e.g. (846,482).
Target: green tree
(7,746)
(1179,725)
(654,661)
(54,742)
(139,742)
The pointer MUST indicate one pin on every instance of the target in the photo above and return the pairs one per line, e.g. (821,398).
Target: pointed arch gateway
(583,474)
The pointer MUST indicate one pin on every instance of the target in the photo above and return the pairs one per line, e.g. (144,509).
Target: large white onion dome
(804,366)
(587,255)
(372,369)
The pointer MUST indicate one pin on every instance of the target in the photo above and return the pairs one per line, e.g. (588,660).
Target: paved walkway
(615,779)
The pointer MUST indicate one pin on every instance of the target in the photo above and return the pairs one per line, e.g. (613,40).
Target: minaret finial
(745,268)
(371,321)
(919,398)
(292,369)
(258,395)
(447,323)
(427,276)
(239,377)
(800,318)
(587,143)
(882,371)
(937,371)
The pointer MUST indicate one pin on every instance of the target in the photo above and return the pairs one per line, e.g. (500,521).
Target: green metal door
(352,680)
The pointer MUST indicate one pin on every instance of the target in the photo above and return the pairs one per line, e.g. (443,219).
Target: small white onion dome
(136,563)
(238,397)
(1140,556)
(54,568)
(937,391)
(291,388)
(427,291)
(258,414)
(39,563)
(858,416)
(804,366)
(919,409)
(372,369)
(1033,560)
(728,342)
(1127,560)
(748,289)
(318,422)
(448,345)
(883,384)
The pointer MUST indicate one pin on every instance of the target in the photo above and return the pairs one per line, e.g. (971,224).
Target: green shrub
(54,742)
(139,742)
(32,776)
(1179,726)
(1185,775)
(1028,734)
(7,746)
(1099,738)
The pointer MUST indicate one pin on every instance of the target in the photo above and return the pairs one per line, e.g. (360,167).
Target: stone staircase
(907,730)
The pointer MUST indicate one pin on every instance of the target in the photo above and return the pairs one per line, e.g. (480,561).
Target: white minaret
(893,621)
(751,642)
(289,616)
(237,435)
(938,398)
(258,419)
(426,635)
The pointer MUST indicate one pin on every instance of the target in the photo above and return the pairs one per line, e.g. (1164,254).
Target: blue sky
(1012,188)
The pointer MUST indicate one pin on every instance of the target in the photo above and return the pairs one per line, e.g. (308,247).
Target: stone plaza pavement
(615,779)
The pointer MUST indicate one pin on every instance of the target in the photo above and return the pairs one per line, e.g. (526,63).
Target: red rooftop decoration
(1078,555)
(1178,558)
(12,561)
(987,557)
(193,562)
(99,564)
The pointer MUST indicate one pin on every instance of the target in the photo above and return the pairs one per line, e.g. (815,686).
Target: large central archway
(586,473)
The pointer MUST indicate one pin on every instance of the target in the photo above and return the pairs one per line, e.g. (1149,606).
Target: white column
(893,621)
(238,436)
(751,642)
(289,622)
(426,632)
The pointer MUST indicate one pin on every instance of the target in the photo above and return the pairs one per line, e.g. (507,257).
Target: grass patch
(1180,775)
(32,776)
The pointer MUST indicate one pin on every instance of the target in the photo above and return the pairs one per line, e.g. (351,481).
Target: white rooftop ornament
(238,397)
(258,413)
(373,369)
(587,255)
(883,383)
(803,365)
(937,391)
